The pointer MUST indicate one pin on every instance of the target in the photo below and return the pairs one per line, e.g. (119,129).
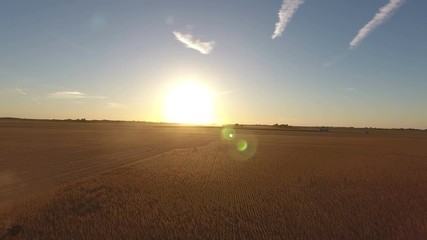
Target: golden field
(140,181)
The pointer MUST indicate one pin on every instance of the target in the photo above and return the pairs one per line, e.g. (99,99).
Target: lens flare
(228,134)
(246,148)
(240,146)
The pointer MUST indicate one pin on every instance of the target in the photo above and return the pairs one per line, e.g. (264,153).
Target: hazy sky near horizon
(344,63)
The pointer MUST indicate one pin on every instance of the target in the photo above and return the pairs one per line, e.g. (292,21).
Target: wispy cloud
(380,17)
(194,43)
(20,91)
(288,9)
(333,61)
(36,99)
(72,95)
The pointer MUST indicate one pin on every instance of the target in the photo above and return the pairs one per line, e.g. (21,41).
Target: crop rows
(294,187)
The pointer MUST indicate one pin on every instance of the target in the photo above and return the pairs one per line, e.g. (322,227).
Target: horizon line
(212,124)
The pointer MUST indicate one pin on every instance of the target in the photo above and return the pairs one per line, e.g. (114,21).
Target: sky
(357,63)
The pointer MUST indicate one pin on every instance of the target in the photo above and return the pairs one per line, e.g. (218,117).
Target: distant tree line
(280,125)
(76,120)
(324,129)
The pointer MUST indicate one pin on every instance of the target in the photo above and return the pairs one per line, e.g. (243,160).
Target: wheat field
(293,185)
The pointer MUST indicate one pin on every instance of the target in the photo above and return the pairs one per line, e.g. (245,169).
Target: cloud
(72,95)
(20,91)
(333,61)
(194,43)
(36,99)
(288,9)
(380,17)
(116,105)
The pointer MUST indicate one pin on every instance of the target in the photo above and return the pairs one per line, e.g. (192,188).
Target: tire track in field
(209,176)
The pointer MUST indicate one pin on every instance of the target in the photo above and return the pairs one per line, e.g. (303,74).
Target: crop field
(124,181)
(39,155)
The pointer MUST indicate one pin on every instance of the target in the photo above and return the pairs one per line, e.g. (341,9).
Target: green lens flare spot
(228,133)
(242,145)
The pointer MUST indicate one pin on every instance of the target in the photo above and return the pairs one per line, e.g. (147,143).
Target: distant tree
(324,129)
(280,125)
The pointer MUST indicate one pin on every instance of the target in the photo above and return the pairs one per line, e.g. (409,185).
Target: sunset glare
(189,103)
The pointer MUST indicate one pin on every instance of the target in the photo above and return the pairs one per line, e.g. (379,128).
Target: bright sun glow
(189,103)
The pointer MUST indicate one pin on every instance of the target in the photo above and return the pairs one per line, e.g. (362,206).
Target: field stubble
(40,155)
(306,186)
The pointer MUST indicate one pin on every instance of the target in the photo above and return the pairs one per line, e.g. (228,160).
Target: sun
(189,102)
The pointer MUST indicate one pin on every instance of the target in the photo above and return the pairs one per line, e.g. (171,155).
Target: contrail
(380,17)
(194,43)
(288,9)
(21,91)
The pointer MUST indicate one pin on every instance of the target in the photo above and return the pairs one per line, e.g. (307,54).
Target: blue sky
(117,60)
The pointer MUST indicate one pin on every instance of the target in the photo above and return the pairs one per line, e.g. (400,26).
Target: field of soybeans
(62,180)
